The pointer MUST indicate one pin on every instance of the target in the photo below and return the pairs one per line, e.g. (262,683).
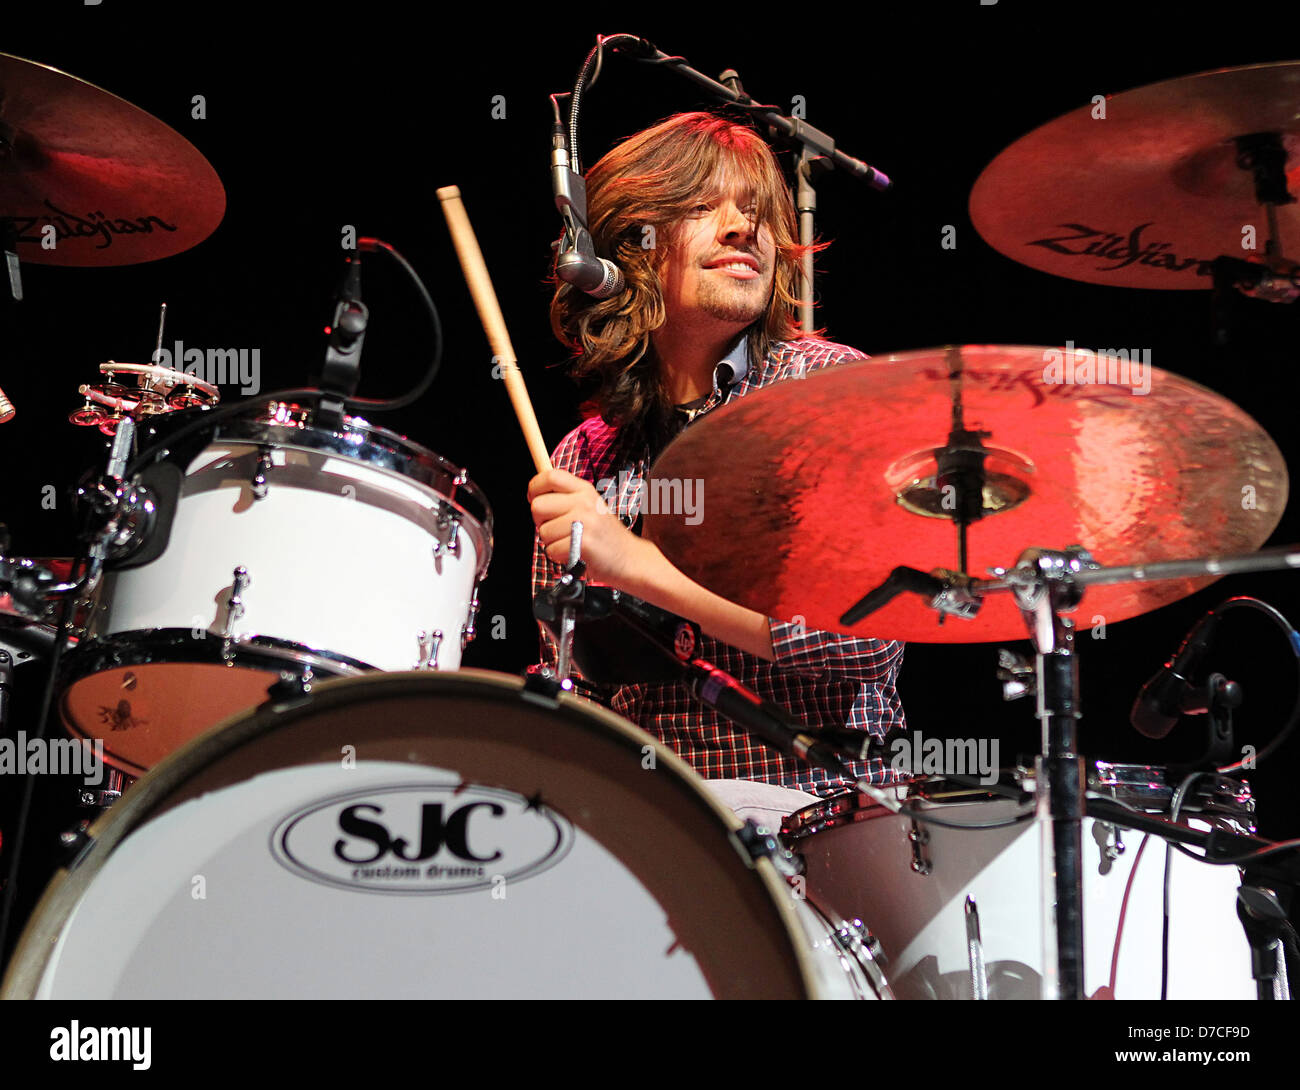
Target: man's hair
(636,195)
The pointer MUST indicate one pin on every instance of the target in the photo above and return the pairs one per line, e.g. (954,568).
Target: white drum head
(417,835)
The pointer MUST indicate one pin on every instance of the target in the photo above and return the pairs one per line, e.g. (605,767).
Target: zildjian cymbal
(1146,188)
(86,178)
(806,494)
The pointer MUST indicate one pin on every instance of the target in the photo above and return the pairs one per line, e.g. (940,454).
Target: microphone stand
(817,150)
(1046,584)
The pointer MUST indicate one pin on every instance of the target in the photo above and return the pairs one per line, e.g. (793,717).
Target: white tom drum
(292,547)
(910,882)
(425,835)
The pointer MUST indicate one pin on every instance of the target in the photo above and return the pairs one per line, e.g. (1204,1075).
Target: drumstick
(494,325)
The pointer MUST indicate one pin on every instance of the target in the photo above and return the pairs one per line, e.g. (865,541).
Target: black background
(339,115)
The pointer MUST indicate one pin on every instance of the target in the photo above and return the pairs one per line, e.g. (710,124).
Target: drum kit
(308,802)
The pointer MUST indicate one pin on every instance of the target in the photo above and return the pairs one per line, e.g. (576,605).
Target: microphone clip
(341,372)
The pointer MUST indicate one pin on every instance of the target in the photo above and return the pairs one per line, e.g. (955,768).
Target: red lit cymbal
(1146,195)
(801,513)
(116,185)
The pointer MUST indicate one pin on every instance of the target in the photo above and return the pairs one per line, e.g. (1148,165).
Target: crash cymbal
(811,487)
(1150,193)
(116,185)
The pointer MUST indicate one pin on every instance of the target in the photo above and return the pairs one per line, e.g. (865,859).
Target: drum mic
(1163,699)
(576,262)
(7,410)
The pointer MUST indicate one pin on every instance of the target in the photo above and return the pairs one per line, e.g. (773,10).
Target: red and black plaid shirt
(822,678)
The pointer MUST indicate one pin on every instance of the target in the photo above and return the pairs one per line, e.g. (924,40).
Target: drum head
(416,835)
(144,694)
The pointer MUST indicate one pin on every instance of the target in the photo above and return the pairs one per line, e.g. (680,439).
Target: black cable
(924,817)
(388,404)
(908,808)
(1176,804)
(10,897)
(208,419)
(1293,639)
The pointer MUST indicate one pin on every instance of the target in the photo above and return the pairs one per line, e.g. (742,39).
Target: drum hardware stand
(574,591)
(1267,929)
(562,603)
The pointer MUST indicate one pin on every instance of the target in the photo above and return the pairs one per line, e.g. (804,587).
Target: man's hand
(611,551)
(618,558)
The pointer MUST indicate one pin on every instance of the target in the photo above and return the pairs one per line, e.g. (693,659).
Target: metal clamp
(756,843)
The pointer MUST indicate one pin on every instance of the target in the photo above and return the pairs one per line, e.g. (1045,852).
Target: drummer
(697,215)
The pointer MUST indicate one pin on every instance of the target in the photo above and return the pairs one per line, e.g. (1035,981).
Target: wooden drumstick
(494,325)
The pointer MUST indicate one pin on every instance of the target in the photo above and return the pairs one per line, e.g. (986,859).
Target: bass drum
(425,835)
(911,882)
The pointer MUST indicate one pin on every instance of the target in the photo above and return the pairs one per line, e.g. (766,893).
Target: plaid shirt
(822,678)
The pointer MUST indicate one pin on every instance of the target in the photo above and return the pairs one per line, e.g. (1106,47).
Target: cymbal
(1149,194)
(116,185)
(811,486)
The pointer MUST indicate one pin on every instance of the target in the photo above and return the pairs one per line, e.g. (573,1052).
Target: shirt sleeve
(849,658)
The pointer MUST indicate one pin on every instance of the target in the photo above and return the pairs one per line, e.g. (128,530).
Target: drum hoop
(40,936)
(171,646)
(1143,786)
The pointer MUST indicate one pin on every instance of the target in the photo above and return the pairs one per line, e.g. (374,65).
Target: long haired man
(696,213)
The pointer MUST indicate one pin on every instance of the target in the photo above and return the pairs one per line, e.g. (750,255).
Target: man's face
(721,266)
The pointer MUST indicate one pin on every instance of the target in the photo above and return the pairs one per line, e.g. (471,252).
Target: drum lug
(239,582)
(919,838)
(448,542)
(467,630)
(259,486)
(429,645)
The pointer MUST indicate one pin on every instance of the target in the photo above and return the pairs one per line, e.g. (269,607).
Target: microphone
(1160,702)
(7,410)
(727,696)
(576,262)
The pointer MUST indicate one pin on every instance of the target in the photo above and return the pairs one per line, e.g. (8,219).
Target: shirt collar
(733,368)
